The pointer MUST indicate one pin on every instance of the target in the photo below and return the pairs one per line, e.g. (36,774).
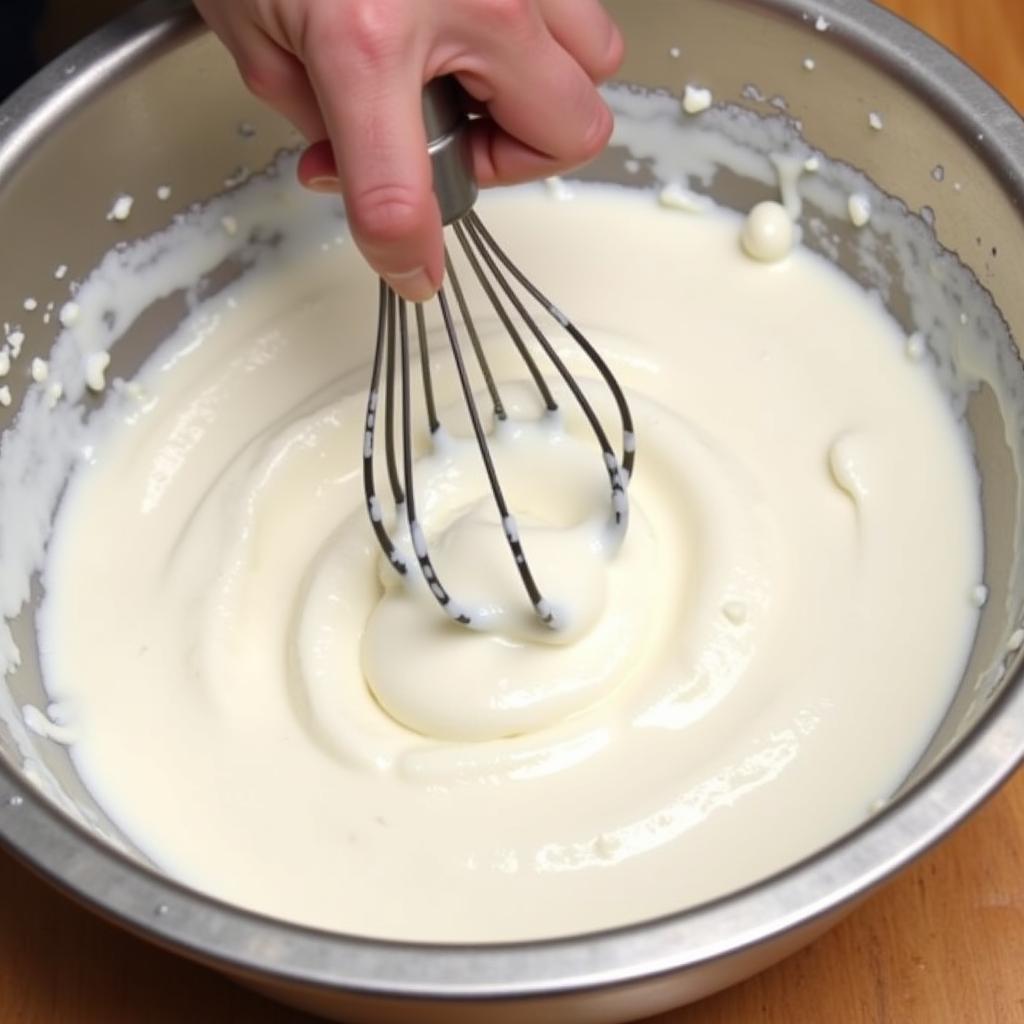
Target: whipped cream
(272,715)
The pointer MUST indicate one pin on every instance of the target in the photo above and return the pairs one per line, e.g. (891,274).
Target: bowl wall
(153,100)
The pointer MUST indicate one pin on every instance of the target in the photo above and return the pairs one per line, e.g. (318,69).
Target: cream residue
(96,370)
(859,207)
(787,596)
(696,99)
(68,314)
(675,197)
(121,208)
(768,232)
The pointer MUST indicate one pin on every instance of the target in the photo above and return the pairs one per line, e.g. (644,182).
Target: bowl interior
(155,101)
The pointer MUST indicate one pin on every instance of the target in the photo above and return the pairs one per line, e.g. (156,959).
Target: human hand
(351,73)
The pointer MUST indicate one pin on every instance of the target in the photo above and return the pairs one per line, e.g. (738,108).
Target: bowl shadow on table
(910,954)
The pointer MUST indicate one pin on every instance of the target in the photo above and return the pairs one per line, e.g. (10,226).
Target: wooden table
(944,943)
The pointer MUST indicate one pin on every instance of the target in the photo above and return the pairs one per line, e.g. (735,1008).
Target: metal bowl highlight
(153,98)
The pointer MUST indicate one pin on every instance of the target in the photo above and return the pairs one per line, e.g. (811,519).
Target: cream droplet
(696,99)
(69,313)
(122,207)
(846,464)
(768,233)
(915,348)
(859,207)
(95,370)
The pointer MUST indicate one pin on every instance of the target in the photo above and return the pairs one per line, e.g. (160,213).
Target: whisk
(445,117)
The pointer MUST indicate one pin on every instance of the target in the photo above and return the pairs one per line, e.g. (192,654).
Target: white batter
(269,714)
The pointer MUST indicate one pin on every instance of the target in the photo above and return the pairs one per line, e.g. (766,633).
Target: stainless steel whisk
(446,119)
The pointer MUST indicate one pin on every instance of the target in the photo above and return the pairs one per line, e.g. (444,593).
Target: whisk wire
(474,338)
(389,422)
(428,386)
(373,411)
(474,222)
(392,358)
(416,535)
(506,321)
(618,473)
(542,607)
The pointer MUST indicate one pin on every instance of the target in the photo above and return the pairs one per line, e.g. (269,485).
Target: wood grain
(944,943)
(987,34)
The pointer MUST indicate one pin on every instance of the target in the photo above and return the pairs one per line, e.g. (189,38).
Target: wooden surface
(987,34)
(944,943)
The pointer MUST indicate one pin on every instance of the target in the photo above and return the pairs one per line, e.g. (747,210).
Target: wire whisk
(391,400)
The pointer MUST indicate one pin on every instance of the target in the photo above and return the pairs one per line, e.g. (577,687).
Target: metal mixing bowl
(153,98)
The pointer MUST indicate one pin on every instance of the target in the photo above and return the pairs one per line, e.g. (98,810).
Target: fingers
(520,142)
(524,140)
(586,31)
(317,169)
(366,77)
(499,159)
(550,114)
(352,72)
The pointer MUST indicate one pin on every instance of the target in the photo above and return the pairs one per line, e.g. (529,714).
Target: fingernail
(324,183)
(414,285)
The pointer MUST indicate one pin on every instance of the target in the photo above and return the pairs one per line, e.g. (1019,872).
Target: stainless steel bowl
(153,98)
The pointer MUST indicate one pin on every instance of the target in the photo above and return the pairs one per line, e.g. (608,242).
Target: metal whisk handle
(446,122)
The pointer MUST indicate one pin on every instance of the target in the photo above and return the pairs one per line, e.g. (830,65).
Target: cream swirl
(793,592)
(517,678)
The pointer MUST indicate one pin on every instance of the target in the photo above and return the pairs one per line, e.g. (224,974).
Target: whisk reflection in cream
(506,289)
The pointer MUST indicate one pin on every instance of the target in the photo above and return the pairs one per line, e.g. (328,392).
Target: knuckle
(506,15)
(268,80)
(371,31)
(385,215)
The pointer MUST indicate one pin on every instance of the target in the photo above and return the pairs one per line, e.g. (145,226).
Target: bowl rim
(252,945)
